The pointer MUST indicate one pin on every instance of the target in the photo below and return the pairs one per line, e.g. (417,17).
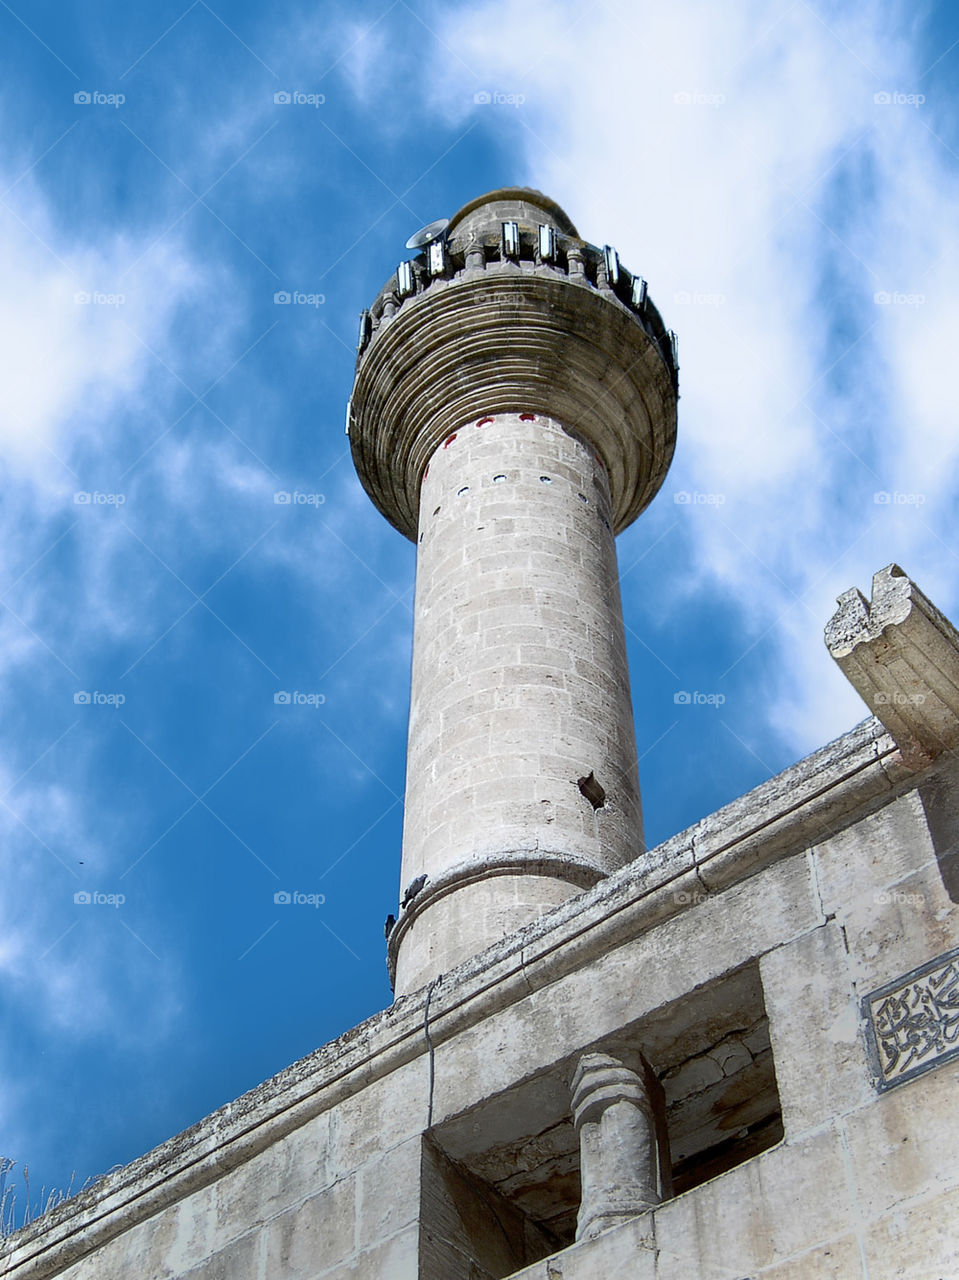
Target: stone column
(622,1143)
(521,784)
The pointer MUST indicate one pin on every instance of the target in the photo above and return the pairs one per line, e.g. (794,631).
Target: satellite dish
(432,231)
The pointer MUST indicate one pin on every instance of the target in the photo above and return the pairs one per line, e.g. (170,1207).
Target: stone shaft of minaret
(514,406)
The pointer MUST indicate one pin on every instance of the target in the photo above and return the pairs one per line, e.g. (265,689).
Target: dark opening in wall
(594,792)
(508,1170)
(712,1053)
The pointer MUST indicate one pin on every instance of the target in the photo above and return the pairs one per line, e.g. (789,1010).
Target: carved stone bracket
(902,656)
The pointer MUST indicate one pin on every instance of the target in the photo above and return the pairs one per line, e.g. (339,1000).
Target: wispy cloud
(773,173)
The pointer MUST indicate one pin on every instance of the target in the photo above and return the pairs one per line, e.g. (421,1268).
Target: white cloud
(739,151)
(75,328)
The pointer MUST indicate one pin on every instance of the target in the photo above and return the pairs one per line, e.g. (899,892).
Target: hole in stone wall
(582,497)
(437,511)
(546,479)
(484,422)
(527,417)
(591,789)
(499,479)
(460,492)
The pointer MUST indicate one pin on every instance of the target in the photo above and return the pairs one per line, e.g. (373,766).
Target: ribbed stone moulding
(522,335)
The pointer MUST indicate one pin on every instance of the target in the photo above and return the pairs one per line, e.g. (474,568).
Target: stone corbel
(902,657)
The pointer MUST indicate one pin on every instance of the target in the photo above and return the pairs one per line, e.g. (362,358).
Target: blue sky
(785,176)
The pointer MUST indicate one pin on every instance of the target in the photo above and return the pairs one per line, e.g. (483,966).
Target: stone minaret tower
(514,408)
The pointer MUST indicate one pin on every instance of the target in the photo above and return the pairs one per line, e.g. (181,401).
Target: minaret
(514,408)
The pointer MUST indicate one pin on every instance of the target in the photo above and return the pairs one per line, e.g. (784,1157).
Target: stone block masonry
(520,690)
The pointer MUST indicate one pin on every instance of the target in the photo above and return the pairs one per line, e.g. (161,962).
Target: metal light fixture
(612,265)
(639,293)
(547,243)
(511,239)
(366,329)
(437,257)
(404,279)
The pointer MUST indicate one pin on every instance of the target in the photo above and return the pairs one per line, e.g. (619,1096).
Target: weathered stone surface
(814,1024)
(906,1144)
(380,1215)
(895,929)
(238,1261)
(313,1236)
(835,1260)
(749,1218)
(915,1242)
(624,1251)
(396,1258)
(902,657)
